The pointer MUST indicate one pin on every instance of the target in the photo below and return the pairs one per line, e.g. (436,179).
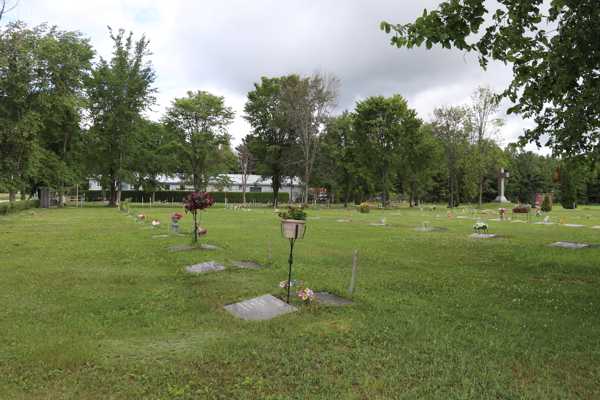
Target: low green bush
(14,206)
(179,195)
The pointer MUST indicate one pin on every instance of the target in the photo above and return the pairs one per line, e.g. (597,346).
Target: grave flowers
(141,216)
(364,207)
(292,222)
(175,217)
(480,225)
(521,208)
(194,202)
(155,222)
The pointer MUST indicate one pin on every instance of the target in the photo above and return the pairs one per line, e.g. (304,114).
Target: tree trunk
(154,196)
(346,193)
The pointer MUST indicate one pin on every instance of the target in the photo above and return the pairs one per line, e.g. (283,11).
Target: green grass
(93,307)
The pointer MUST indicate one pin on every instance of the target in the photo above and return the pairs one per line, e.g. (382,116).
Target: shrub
(179,195)
(364,207)
(14,206)
(546,206)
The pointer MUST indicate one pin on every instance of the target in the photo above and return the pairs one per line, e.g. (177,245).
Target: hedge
(14,206)
(179,195)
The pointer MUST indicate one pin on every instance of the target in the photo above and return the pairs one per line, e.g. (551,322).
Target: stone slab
(569,245)
(244,264)
(260,308)
(328,299)
(596,227)
(422,229)
(544,223)
(157,236)
(343,220)
(182,247)
(484,236)
(208,266)
(147,227)
(379,224)
(211,247)
(7,219)
(577,225)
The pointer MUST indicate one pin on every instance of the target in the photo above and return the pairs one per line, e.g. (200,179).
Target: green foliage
(546,205)
(568,188)
(14,206)
(294,213)
(199,123)
(555,73)
(125,205)
(178,195)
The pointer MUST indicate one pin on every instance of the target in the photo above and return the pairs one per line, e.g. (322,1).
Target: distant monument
(501,175)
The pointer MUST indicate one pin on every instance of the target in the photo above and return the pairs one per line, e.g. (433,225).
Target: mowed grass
(93,307)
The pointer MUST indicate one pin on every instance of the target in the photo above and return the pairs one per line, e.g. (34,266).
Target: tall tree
(450,127)
(200,122)
(119,91)
(308,102)
(272,136)
(383,124)
(555,71)
(485,124)
(246,163)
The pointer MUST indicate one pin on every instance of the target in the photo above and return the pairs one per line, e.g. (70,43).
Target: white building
(254,185)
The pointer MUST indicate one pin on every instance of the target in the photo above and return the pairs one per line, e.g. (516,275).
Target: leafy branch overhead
(555,60)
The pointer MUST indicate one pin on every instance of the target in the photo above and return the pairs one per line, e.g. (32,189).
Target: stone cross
(501,175)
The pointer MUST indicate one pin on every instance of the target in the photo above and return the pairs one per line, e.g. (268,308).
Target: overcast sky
(225,46)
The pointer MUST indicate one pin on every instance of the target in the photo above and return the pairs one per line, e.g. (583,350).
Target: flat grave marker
(576,225)
(328,299)
(147,227)
(7,219)
(596,227)
(260,308)
(484,236)
(208,266)
(182,247)
(573,245)
(244,264)
(211,247)
(157,236)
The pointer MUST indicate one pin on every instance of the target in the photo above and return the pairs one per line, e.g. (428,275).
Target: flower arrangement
(522,208)
(155,222)
(364,207)
(178,215)
(306,294)
(194,202)
(480,225)
(294,213)
(141,216)
(432,208)
(125,205)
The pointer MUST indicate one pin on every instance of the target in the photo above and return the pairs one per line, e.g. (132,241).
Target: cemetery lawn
(93,307)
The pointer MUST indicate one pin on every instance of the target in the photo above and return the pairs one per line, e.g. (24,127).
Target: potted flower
(175,217)
(521,208)
(155,222)
(480,225)
(141,216)
(292,222)
(364,207)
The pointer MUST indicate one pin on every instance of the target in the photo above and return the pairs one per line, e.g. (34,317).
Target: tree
(483,112)
(450,127)
(307,105)
(383,125)
(119,91)
(246,162)
(568,188)
(200,122)
(555,72)
(272,137)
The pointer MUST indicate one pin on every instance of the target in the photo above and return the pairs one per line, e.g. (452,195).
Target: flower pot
(292,228)
(175,219)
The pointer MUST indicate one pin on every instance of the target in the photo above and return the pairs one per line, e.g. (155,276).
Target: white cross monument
(500,198)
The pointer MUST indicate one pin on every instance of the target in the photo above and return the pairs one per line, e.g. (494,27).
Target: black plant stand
(291,258)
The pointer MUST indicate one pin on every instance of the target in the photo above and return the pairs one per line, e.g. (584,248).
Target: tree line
(65,118)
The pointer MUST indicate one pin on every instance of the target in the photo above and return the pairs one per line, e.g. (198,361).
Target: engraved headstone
(157,236)
(569,245)
(211,247)
(484,236)
(260,308)
(182,247)
(147,227)
(208,266)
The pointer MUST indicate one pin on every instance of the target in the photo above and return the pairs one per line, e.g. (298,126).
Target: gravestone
(182,247)
(208,266)
(157,236)
(576,225)
(211,247)
(501,176)
(328,299)
(484,236)
(243,264)
(260,308)
(571,245)
(147,227)
(7,219)
(597,227)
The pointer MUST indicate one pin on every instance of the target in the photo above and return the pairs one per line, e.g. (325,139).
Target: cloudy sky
(225,46)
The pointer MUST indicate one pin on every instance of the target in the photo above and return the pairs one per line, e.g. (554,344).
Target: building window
(255,189)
